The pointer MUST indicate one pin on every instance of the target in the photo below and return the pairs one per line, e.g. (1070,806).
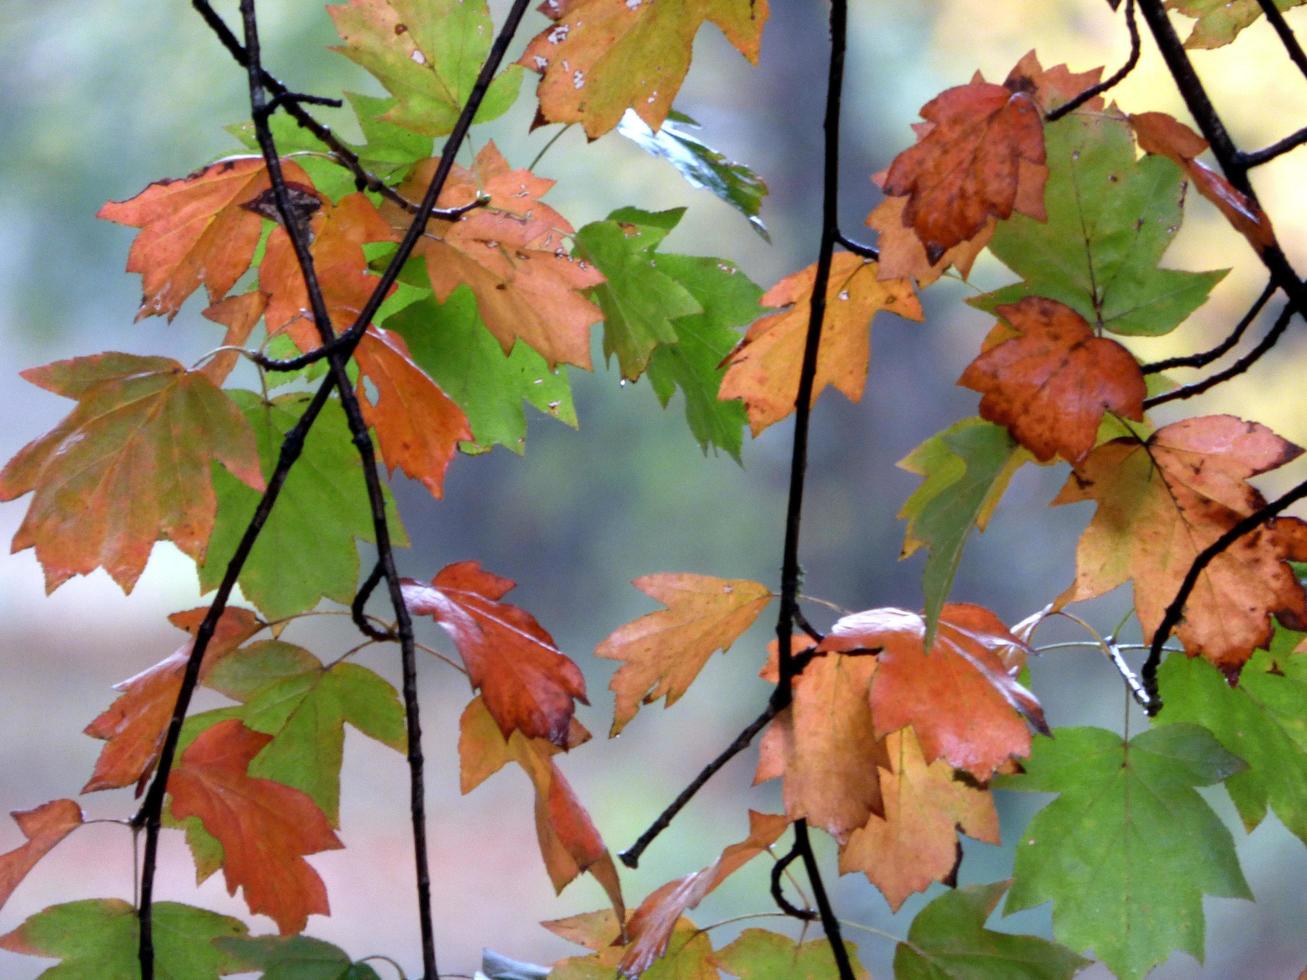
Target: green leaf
(427,53)
(97,938)
(760,955)
(1110,219)
(638,300)
(290,696)
(1219,21)
(729,300)
(700,164)
(1263,721)
(310,153)
(307,550)
(390,151)
(294,958)
(451,343)
(1128,849)
(967,468)
(948,941)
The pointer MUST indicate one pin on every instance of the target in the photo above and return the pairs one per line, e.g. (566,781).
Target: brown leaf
(1163,501)
(1052,383)
(44,827)
(902,256)
(764,368)
(663,652)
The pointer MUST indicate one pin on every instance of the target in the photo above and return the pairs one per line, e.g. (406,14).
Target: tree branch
(778,887)
(1281,26)
(1257,157)
(1112,80)
(1206,357)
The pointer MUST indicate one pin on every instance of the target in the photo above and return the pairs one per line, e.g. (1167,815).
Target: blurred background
(95,102)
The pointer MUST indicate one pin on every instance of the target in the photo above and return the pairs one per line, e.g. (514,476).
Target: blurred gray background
(96,100)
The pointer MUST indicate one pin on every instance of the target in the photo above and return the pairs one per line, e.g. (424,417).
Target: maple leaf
(651,925)
(1160,503)
(528,685)
(293,958)
(417,424)
(98,937)
(289,694)
(948,941)
(1052,382)
(306,550)
(967,468)
(602,57)
(129,465)
(902,254)
(764,368)
(133,726)
(1133,900)
(757,954)
(964,705)
(980,157)
(663,652)
(914,843)
(1110,219)
(1218,22)
(689,954)
(44,827)
(427,55)
(1163,135)
(265,828)
(1260,721)
(195,231)
(511,255)
(239,314)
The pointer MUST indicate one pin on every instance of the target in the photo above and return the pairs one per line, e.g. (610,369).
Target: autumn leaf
(651,925)
(1163,501)
(914,843)
(417,424)
(293,958)
(1218,22)
(663,652)
(602,57)
(265,828)
(764,368)
(528,685)
(427,55)
(129,465)
(757,954)
(1128,848)
(1161,134)
(133,726)
(195,231)
(1110,219)
(966,468)
(1261,721)
(903,256)
(239,314)
(44,827)
(512,255)
(959,697)
(980,157)
(948,941)
(98,937)
(689,954)
(1052,382)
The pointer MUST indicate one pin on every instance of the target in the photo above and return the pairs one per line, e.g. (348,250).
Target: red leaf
(265,828)
(44,827)
(528,685)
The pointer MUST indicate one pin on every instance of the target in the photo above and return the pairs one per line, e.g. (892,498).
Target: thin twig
(1131,680)
(1256,158)
(1207,356)
(1112,80)
(1233,371)
(1282,28)
(361,599)
(1205,557)
(857,247)
(778,887)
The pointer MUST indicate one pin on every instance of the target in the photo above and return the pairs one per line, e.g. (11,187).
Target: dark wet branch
(1276,19)
(1112,80)
(1207,356)
(1256,158)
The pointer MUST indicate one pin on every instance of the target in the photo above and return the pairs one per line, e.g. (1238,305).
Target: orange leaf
(1053,86)
(1166,136)
(44,827)
(195,231)
(825,746)
(512,255)
(238,314)
(663,652)
(981,156)
(1163,501)
(965,706)
(133,726)
(902,256)
(528,685)
(1052,383)
(652,924)
(265,828)
(129,465)
(764,368)
(915,843)
(417,424)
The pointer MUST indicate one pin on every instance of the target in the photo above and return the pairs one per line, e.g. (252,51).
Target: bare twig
(1207,356)
(1256,158)
(1112,80)
(778,887)
(857,247)
(1281,26)
(361,599)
